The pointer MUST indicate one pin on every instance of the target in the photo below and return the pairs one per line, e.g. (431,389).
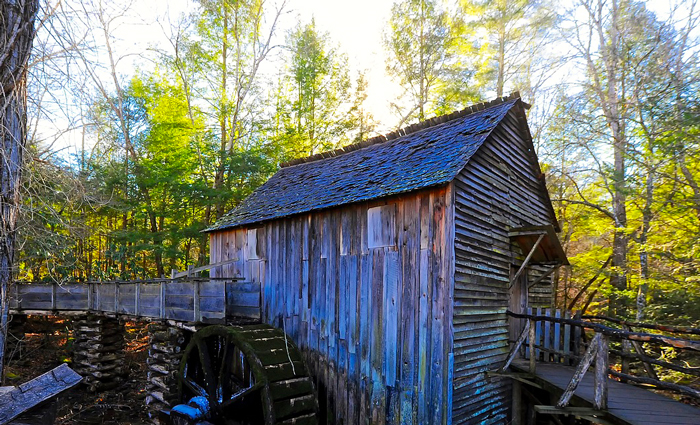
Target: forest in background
(615,120)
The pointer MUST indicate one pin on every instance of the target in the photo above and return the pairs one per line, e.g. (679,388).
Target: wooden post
(600,394)
(527,259)
(116,298)
(197,314)
(516,346)
(626,351)
(90,296)
(18,300)
(580,371)
(517,403)
(162,300)
(137,294)
(533,355)
(53,296)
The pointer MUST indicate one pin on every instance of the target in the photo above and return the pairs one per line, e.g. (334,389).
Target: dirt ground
(48,344)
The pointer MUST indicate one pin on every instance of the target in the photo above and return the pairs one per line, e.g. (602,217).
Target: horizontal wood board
(499,189)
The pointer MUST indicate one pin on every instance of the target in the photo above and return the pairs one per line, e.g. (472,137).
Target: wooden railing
(573,340)
(188,300)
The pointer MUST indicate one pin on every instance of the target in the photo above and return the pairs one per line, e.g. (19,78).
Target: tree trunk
(16,35)
(221,169)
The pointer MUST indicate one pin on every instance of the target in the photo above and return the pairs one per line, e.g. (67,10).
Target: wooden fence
(556,336)
(189,300)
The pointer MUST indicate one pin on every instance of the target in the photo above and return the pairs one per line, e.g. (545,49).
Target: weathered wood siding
(497,190)
(365,291)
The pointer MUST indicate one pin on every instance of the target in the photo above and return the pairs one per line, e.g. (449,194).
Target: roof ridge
(430,122)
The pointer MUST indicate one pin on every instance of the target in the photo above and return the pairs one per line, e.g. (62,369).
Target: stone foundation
(166,344)
(98,351)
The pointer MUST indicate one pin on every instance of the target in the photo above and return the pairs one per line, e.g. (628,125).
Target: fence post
(533,355)
(600,393)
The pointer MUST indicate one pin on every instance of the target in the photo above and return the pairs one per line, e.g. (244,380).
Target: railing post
(600,394)
(162,299)
(581,369)
(533,355)
(116,298)
(137,302)
(53,296)
(197,314)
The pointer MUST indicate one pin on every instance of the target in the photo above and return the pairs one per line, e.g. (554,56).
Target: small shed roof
(425,155)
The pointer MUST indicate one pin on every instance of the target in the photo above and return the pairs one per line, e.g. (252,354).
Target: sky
(356,33)
(356,27)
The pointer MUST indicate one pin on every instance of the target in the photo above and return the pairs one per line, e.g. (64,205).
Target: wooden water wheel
(244,375)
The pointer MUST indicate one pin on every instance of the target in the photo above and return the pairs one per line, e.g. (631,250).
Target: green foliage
(654,78)
(315,89)
(177,148)
(422,45)
(511,54)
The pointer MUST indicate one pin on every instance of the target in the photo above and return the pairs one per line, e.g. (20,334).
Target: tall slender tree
(512,52)
(315,97)
(421,45)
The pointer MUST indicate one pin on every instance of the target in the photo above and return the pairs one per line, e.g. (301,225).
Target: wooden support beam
(587,413)
(526,378)
(516,346)
(527,259)
(600,391)
(580,371)
(642,355)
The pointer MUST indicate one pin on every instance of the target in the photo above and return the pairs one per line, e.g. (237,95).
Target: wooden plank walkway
(626,403)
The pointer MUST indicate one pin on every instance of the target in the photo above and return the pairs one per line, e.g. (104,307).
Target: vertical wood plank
(391,315)
(557,336)
(378,393)
(438,257)
(567,340)
(538,332)
(448,320)
(547,334)
(353,333)
(409,246)
(366,308)
(424,323)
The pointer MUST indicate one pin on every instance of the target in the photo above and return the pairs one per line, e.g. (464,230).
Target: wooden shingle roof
(424,155)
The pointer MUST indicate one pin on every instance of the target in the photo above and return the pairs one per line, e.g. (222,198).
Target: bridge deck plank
(626,403)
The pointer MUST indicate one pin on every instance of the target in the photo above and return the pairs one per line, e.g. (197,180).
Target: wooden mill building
(391,263)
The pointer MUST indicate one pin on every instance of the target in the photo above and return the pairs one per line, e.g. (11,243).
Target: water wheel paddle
(244,375)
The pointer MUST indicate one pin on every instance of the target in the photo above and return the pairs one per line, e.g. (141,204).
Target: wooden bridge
(206,300)
(553,354)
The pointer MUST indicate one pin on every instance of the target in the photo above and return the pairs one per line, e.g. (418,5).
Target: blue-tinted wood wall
(365,290)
